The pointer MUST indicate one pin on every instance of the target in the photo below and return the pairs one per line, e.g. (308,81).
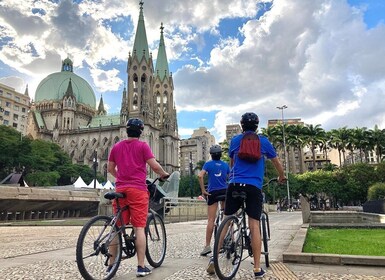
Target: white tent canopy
(98,185)
(79,183)
(108,185)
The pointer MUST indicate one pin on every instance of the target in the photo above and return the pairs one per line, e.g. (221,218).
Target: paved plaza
(48,252)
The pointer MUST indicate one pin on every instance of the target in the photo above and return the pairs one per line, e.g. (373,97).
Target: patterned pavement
(48,252)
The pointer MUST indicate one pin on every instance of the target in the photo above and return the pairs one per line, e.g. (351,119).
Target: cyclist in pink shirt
(127,163)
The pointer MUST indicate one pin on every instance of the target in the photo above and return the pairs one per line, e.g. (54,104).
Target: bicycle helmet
(249,121)
(216,152)
(134,127)
(215,149)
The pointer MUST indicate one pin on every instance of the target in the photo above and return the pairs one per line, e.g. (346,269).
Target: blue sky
(321,58)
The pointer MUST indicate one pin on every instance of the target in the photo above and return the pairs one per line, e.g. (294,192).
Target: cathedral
(64,110)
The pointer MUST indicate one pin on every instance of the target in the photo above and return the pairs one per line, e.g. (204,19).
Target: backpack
(250,149)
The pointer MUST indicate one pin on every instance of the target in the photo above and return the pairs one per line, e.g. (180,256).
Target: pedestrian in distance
(217,171)
(247,175)
(127,163)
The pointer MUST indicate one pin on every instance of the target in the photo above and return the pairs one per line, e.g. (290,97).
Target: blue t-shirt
(217,171)
(245,172)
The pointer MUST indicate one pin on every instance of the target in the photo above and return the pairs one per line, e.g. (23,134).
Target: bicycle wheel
(265,239)
(156,240)
(94,249)
(228,248)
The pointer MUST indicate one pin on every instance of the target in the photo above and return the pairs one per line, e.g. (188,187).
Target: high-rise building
(232,130)
(65,110)
(195,149)
(14,107)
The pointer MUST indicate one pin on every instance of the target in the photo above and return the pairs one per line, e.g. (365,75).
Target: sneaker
(206,250)
(210,268)
(143,271)
(259,274)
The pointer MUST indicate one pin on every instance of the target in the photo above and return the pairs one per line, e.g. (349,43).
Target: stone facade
(68,115)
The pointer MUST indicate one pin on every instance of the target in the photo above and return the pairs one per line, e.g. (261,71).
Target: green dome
(55,85)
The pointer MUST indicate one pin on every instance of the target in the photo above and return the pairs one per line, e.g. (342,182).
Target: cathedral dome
(54,86)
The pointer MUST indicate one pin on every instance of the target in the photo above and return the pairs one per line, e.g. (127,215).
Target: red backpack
(250,149)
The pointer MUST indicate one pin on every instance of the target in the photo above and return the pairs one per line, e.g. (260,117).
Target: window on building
(6,113)
(17,98)
(15,117)
(23,110)
(14,125)
(6,122)
(7,104)
(9,95)
(16,108)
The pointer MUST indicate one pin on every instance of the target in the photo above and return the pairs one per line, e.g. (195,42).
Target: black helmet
(216,152)
(249,121)
(134,127)
(215,149)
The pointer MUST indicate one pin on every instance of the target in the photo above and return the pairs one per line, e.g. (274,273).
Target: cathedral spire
(26,91)
(161,69)
(101,110)
(140,43)
(69,91)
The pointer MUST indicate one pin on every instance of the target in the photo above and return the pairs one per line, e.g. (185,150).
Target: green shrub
(376,191)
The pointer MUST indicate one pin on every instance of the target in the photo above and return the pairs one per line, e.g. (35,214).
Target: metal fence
(177,210)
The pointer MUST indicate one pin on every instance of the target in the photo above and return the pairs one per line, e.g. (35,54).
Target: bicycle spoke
(98,248)
(228,248)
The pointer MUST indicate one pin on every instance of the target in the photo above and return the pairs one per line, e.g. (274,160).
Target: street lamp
(283,107)
(95,166)
(191,176)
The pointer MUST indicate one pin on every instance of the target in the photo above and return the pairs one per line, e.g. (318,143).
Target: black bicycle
(102,243)
(233,237)
(220,213)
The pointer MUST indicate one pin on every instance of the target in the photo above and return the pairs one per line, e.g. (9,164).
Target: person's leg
(140,245)
(255,242)
(211,214)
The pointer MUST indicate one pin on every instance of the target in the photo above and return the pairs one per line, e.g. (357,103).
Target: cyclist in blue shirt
(218,172)
(248,177)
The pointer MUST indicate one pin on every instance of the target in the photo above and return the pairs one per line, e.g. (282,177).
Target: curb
(294,254)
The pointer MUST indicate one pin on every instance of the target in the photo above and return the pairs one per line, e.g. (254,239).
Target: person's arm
(111,167)
(278,166)
(157,168)
(201,176)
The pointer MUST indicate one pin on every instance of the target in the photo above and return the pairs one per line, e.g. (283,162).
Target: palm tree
(378,141)
(296,139)
(339,140)
(314,136)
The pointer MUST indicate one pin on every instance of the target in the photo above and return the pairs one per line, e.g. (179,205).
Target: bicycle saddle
(113,195)
(237,195)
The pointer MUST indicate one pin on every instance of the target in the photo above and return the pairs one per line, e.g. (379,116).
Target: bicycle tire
(228,251)
(265,240)
(156,240)
(91,258)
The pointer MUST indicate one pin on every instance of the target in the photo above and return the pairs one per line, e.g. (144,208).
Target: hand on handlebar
(164,177)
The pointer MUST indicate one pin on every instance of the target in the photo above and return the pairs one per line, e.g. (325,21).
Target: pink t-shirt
(130,157)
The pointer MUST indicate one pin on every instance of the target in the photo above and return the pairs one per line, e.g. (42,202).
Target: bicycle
(102,234)
(220,213)
(233,237)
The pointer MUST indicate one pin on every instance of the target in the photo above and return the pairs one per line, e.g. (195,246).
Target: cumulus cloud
(317,57)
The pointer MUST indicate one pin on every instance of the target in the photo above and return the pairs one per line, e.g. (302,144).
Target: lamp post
(191,176)
(95,166)
(283,107)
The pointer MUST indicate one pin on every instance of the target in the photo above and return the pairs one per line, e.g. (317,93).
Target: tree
(314,135)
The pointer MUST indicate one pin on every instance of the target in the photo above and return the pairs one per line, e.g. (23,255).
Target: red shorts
(137,201)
